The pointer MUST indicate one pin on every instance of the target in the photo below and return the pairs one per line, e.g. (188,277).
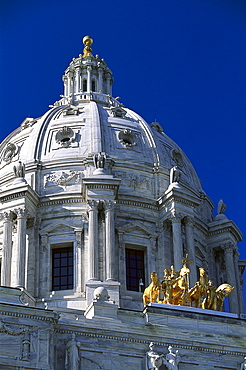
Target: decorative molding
(146,342)
(134,181)
(43,317)
(137,204)
(60,201)
(62,179)
(10,152)
(13,196)
(8,329)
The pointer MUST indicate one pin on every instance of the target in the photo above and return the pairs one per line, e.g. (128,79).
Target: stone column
(110,240)
(108,79)
(65,86)
(88,79)
(77,79)
(189,236)
(100,80)
(239,290)
(78,261)
(231,277)
(21,247)
(177,240)
(7,249)
(93,239)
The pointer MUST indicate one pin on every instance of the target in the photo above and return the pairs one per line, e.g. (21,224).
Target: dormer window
(127,138)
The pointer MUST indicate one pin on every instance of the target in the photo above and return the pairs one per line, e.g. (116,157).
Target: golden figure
(152,292)
(222,292)
(181,287)
(210,301)
(198,291)
(167,283)
(87,41)
(175,287)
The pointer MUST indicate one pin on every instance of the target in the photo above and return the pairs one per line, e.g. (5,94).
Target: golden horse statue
(152,292)
(199,290)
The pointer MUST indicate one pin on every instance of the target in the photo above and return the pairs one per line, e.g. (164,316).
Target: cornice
(137,204)
(59,201)
(225,227)
(45,315)
(118,338)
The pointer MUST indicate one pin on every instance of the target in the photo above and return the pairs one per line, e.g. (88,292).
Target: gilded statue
(174,289)
(169,279)
(152,292)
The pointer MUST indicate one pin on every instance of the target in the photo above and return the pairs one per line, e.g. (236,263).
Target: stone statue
(172,359)
(99,160)
(243,365)
(153,360)
(72,354)
(175,175)
(19,170)
(221,208)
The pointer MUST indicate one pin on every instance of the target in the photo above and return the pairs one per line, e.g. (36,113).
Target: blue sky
(179,62)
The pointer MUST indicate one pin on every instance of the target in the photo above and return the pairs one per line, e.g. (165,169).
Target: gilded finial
(87,41)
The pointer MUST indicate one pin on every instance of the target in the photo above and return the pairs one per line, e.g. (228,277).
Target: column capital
(89,68)
(189,221)
(21,212)
(229,248)
(6,216)
(92,205)
(109,205)
(176,217)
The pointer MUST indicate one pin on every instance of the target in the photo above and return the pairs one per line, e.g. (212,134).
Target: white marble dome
(142,201)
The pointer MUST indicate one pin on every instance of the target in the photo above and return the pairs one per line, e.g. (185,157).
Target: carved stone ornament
(10,151)
(134,181)
(11,329)
(154,360)
(157,127)
(118,112)
(177,157)
(127,138)
(62,179)
(65,136)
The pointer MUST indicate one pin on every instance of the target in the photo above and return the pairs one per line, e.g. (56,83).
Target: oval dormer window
(127,138)
(65,136)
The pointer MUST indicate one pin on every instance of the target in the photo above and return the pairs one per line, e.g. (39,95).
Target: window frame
(67,247)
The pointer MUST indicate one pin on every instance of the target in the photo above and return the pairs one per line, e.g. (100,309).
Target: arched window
(84,84)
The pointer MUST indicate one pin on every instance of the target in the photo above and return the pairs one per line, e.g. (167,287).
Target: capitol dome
(93,195)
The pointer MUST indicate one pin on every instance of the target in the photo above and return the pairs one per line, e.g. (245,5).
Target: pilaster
(7,249)
(229,249)
(110,240)
(177,240)
(189,235)
(93,239)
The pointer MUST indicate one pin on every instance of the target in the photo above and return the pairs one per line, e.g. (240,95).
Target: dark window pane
(134,268)
(62,268)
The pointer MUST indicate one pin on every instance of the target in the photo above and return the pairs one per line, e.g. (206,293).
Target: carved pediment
(57,227)
(137,228)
